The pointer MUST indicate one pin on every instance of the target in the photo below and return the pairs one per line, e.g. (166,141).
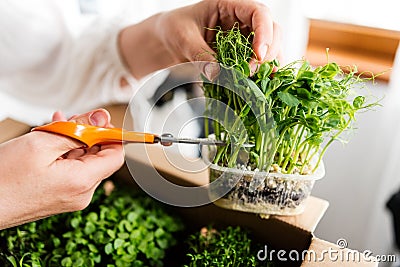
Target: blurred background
(362,175)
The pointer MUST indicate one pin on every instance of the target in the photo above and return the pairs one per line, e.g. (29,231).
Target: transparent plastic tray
(262,192)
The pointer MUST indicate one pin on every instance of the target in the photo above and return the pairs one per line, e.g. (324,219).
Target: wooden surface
(371,49)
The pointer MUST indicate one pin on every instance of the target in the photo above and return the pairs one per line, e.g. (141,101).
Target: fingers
(54,145)
(58,116)
(264,41)
(77,153)
(98,117)
(257,17)
(267,33)
(63,147)
(273,52)
(95,166)
(209,69)
(196,48)
(275,47)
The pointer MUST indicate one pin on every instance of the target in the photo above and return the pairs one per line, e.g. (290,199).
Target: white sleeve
(78,74)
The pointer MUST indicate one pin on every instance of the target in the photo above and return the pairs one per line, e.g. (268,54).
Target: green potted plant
(290,115)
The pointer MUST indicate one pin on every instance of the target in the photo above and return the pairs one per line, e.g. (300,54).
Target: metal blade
(168,139)
(201,141)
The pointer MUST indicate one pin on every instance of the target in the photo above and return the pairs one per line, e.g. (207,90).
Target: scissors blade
(168,139)
(201,141)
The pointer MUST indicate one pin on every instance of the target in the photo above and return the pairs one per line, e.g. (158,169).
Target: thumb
(197,49)
(203,57)
(98,117)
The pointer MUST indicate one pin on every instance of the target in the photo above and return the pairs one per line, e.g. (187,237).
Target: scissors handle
(92,135)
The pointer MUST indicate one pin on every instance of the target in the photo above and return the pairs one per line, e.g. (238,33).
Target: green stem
(295,148)
(329,143)
(305,162)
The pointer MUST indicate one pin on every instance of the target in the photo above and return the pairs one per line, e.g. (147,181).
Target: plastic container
(262,192)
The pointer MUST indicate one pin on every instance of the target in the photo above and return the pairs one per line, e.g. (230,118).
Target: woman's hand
(181,35)
(44,174)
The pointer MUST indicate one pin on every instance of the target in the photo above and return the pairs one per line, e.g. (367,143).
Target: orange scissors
(92,135)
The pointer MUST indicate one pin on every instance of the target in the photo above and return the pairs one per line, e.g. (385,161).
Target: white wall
(362,175)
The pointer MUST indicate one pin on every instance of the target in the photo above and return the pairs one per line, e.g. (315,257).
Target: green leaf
(155,253)
(149,236)
(136,234)
(124,225)
(304,93)
(132,216)
(159,232)
(316,140)
(92,216)
(245,110)
(12,260)
(162,243)
(97,259)
(79,262)
(264,71)
(93,248)
(143,246)
(75,222)
(273,85)
(123,235)
(66,262)
(306,75)
(358,102)
(288,99)
(264,84)
(108,249)
(118,242)
(128,258)
(56,241)
(312,122)
(329,71)
(121,251)
(256,91)
(111,233)
(131,250)
(89,228)
(70,247)
(332,121)
(245,68)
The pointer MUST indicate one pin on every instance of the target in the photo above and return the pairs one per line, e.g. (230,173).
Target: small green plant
(123,229)
(291,114)
(229,247)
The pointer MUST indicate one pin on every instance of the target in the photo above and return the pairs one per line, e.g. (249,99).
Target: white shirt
(45,68)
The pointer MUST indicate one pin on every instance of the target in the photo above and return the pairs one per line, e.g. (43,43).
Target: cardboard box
(290,237)
(286,237)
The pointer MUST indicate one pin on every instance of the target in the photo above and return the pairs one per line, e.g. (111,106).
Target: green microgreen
(123,229)
(291,114)
(230,246)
